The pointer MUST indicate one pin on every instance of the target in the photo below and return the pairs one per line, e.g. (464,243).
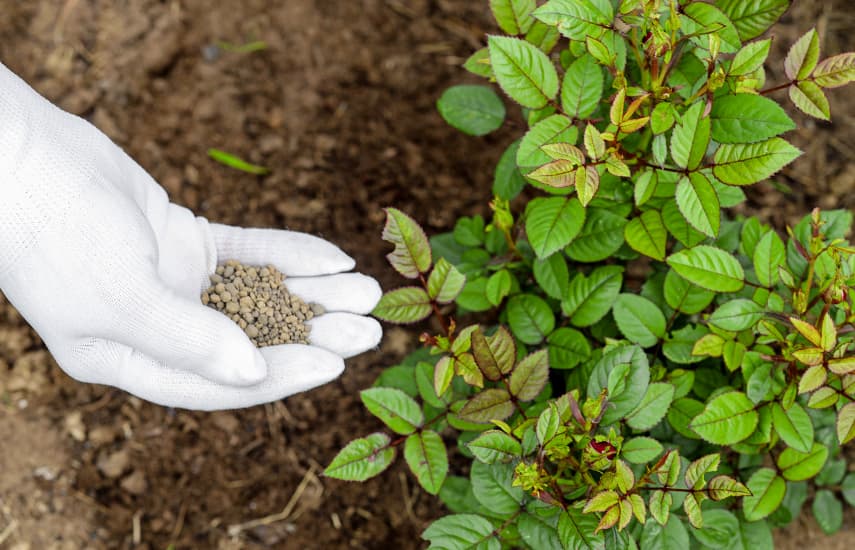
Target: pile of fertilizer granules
(256,299)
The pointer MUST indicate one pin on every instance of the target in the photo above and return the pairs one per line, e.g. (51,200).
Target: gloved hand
(109,272)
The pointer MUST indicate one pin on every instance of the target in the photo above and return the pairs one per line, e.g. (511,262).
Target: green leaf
(473,109)
(600,237)
(445,282)
(530,318)
(552,129)
(403,305)
(495,446)
(747,163)
(498,286)
(719,530)
(662,118)
(491,484)
(547,424)
(468,531)
(537,531)
(395,408)
(847,488)
(640,321)
(828,511)
(698,202)
(690,137)
(362,458)
(660,506)
(794,426)
(727,418)
(552,275)
(582,87)
(557,173)
(227,159)
(577,19)
(736,315)
(567,348)
(427,458)
(640,450)
(721,487)
(625,373)
(587,182)
(495,354)
(411,256)
(810,99)
(835,71)
(679,347)
(577,531)
(490,404)
(543,36)
(683,296)
(750,58)
(646,234)
(551,223)
(523,71)
(677,225)
(652,408)
(768,255)
(590,298)
(708,267)
(443,373)
(671,536)
(751,19)
(803,56)
(479,63)
(508,182)
(846,423)
(513,16)
(767,492)
(473,296)
(798,466)
(530,375)
(748,118)
(705,18)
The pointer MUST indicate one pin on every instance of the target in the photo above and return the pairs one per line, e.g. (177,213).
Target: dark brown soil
(340,107)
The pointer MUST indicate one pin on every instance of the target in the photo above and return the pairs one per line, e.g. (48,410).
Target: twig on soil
(408,498)
(8,530)
(179,521)
(137,527)
(238,528)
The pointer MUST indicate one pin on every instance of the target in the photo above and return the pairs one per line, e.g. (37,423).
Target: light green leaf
(750,58)
(498,286)
(557,173)
(552,275)
(828,511)
(543,36)
(736,315)
(721,487)
(479,63)
(513,16)
(552,129)
(767,492)
(798,466)
(567,348)
(552,222)
(409,304)
(445,282)
(523,71)
(752,18)
(794,426)
(600,237)
(395,408)
(590,298)
(530,318)
(639,320)
(490,404)
(727,418)
(803,56)
(577,19)
(690,137)
(810,99)
(768,255)
(625,373)
(362,458)
(427,458)
(699,18)
(411,256)
(683,296)
(646,234)
(698,202)
(662,118)
(846,423)
(582,87)
(641,450)
(744,164)
(708,267)
(232,161)
(468,531)
(652,408)
(748,118)
(472,109)
(835,71)
(530,375)
(547,424)
(587,182)
(677,225)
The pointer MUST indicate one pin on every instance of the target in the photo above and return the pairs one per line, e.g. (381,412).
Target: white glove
(109,272)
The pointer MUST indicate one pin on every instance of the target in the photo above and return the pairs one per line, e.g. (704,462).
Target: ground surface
(340,107)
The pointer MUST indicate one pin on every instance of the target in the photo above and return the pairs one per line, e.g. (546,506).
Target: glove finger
(344,334)
(187,335)
(292,253)
(351,292)
(294,368)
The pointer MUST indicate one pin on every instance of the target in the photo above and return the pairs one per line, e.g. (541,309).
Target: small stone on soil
(257,299)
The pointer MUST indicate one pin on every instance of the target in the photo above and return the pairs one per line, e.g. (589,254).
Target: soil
(340,107)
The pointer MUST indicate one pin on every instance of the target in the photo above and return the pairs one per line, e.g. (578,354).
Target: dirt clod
(257,299)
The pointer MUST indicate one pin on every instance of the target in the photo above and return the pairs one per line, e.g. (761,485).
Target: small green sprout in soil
(257,299)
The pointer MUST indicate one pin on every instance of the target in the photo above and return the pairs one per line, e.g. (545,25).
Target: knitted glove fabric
(109,272)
